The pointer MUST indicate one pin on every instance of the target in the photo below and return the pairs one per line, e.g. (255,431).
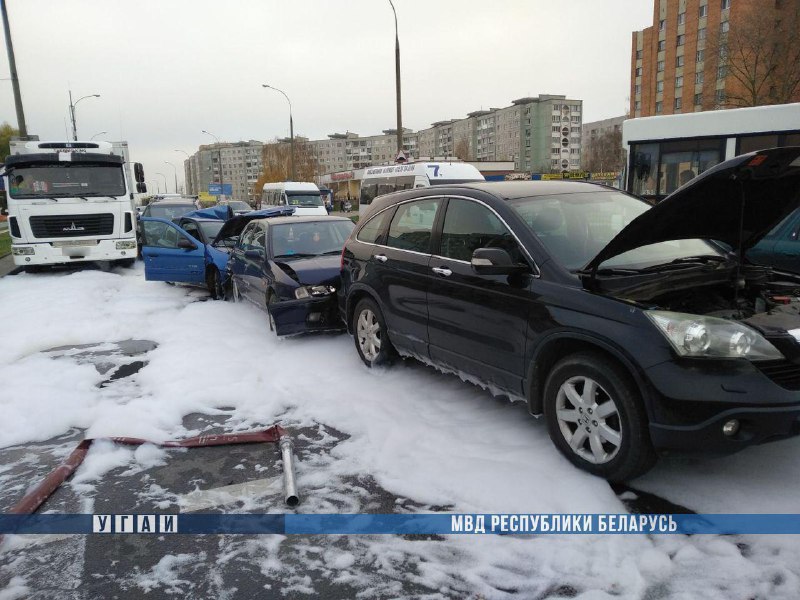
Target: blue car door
(171,254)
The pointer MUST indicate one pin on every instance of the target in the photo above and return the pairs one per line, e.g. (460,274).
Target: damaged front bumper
(307,315)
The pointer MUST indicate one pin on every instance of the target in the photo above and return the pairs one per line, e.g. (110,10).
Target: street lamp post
(156,186)
(397,81)
(96,134)
(291,127)
(190,186)
(175,172)
(219,154)
(166,189)
(72,106)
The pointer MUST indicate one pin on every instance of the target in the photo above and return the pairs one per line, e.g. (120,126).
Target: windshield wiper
(689,261)
(331,252)
(297,255)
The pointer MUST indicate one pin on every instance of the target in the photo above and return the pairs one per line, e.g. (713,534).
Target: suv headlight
(709,337)
(314,291)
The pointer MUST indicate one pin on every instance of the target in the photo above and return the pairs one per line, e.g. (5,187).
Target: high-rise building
(238,164)
(686,60)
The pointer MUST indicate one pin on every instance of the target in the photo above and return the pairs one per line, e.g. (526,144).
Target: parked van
(302,195)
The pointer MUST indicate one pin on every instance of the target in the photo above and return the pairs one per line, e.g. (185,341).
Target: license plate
(73,243)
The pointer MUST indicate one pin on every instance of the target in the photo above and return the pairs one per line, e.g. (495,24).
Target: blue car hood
(313,271)
(235,225)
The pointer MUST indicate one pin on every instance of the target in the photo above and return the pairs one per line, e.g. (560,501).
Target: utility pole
(12,66)
(291,129)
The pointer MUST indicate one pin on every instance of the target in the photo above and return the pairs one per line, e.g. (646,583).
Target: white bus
(378,181)
(304,196)
(69,202)
(665,152)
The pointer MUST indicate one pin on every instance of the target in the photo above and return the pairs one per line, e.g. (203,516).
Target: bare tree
(462,148)
(276,158)
(605,152)
(759,56)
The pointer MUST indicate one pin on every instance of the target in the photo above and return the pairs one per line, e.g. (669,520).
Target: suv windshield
(66,180)
(576,227)
(307,199)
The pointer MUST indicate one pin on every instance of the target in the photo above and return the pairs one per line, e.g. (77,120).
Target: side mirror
(494,261)
(185,244)
(253,254)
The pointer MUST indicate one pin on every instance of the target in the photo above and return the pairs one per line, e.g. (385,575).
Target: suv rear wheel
(596,419)
(369,331)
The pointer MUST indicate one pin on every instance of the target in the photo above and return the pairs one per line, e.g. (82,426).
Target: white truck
(71,202)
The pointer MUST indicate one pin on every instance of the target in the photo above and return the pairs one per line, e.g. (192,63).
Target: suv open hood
(710,205)
(235,225)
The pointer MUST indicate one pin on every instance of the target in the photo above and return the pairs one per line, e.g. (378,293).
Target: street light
(96,134)
(190,186)
(156,187)
(166,162)
(166,189)
(219,153)
(291,125)
(72,106)
(397,81)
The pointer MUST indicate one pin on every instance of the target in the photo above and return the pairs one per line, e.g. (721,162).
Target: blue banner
(216,189)
(394,524)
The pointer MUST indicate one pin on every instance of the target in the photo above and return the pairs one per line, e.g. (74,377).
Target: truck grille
(56,226)
(786,374)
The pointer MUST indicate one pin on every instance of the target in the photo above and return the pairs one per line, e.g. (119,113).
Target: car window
(371,232)
(191,228)
(160,235)
(469,226)
(412,225)
(247,237)
(258,241)
(168,211)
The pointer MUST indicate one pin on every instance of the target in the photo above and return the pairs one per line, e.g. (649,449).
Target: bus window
(386,187)
(683,161)
(644,167)
(368,192)
(405,183)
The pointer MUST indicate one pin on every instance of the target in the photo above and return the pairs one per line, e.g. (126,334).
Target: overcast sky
(166,69)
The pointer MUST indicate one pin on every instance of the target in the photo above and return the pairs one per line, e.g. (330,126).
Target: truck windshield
(307,199)
(66,180)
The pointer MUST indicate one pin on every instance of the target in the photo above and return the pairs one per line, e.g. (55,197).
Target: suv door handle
(443,271)
(380,257)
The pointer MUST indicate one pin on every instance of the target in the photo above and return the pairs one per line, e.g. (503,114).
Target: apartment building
(236,163)
(682,62)
(541,134)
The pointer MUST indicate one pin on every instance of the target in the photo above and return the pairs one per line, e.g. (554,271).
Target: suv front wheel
(596,419)
(369,331)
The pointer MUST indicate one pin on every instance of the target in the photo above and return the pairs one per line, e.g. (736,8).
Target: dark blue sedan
(289,267)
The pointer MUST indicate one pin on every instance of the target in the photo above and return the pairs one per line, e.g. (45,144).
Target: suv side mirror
(186,244)
(494,261)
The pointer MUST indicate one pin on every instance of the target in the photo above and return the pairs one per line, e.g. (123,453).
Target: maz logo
(73,228)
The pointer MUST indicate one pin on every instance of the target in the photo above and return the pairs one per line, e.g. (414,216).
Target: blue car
(195,248)
(780,248)
(290,268)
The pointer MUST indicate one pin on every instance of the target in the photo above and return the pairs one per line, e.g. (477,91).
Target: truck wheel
(369,331)
(596,419)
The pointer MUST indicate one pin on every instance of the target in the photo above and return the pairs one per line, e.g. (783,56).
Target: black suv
(632,329)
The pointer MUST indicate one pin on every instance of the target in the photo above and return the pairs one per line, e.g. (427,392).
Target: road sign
(216,189)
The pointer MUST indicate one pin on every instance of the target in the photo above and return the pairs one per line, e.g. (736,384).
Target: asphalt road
(222,479)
